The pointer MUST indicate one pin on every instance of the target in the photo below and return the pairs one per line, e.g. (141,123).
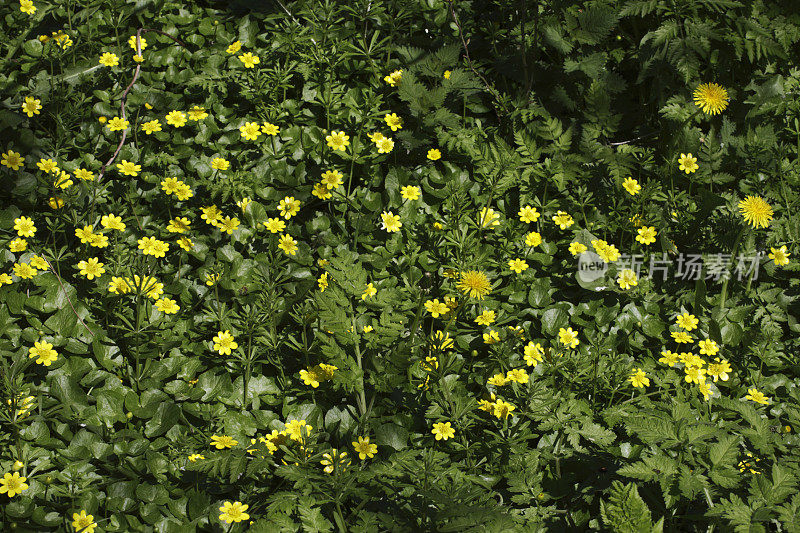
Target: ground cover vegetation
(323,266)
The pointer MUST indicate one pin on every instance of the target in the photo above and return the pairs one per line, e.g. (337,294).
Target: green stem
(724,294)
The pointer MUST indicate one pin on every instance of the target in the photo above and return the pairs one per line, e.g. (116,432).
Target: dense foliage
(326,266)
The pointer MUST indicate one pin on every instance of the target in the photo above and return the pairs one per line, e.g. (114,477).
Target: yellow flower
(390,222)
(275,225)
(488,217)
(384,145)
(118,285)
(138,58)
(576,248)
(719,369)
(434,154)
(410,192)
(12,160)
(498,380)
(668,358)
(243,203)
(167,306)
(211,214)
(752,394)
(563,220)
(528,214)
(44,351)
(289,207)
(695,374)
(185,243)
(443,431)
(756,211)
(288,245)
(228,225)
(627,279)
(224,342)
(708,347)
(128,168)
(491,338)
(151,127)
(364,448)
(502,409)
(178,225)
(117,124)
(18,245)
(687,321)
(436,308)
(393,121)
(638,378)
(321,191)
(63,181)
(197,113)
(333,460)
(83,523)
(27,7)
(332,179)
(47,165)
(475,284)
(31,106)
(486,317)
(234,47)
(153,246)
(518,375)
(250,131)
(24,271)
(132,42)
(712,98)
(211,279)
(109,60)
(681,337)
(338,140)
(322,281)
(39,262)
(646,235)
(517,265)
(568,337)
(24,227)
(92,268)
(533,239)
(55,202)
(222,442)
(687,163)
(446,74)
(632,186)
(369,292)
(394,78)
(84,175)
(249,60)
(234,512)
(779,256)
(176,118)
(533,353)
(195,456)
(270,129)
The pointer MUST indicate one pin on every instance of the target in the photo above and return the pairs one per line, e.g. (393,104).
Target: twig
(469,61)
(61,284)
(127,90)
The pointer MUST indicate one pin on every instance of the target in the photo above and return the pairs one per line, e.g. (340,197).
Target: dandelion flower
(756,211)
(475,284)
(711,98)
